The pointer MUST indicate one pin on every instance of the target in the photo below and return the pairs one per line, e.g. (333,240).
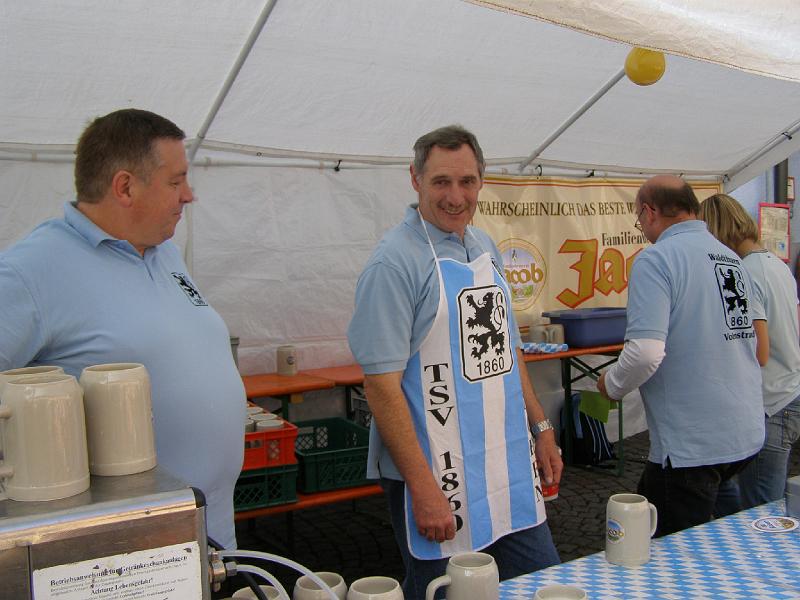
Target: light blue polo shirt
(74,296)
(703,403)
(774,284)
(397,296)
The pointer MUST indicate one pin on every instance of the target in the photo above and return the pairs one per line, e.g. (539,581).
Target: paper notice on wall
(167,573)
(774,228)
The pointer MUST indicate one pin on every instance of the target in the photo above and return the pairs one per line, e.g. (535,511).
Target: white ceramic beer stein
(560,592)
(555,333)
(469,576)
(247,594)
(375,588)
(305,589)
(13,373)
(119,418)
(537,333)
(44,438)
(286,360)
(21,372)
(630,523)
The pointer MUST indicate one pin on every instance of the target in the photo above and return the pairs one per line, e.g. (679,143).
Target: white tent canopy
(726,32)
(358,81)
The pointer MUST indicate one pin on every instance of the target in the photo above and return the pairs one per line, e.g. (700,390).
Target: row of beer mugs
(57,430)
(468,576)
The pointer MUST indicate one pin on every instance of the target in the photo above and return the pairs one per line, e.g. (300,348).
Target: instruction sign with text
(167,573)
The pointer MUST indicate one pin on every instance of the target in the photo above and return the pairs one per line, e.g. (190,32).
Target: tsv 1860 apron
(466,402)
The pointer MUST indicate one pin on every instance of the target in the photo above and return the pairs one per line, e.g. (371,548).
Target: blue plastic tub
(586,327)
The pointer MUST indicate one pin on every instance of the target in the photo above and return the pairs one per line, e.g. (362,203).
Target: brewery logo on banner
(525,271)
(485,343)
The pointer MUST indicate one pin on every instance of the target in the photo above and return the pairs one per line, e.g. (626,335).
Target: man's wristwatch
(541,426)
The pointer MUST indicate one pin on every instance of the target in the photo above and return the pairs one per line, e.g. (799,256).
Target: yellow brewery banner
(566,243)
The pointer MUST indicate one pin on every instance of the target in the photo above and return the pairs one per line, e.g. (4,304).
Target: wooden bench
(314,500)
(306,501)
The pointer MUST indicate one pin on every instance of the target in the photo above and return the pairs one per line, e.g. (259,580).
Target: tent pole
(765,157)
(572,118)
(188,253)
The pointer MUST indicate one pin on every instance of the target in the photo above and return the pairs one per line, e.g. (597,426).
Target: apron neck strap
(463,241)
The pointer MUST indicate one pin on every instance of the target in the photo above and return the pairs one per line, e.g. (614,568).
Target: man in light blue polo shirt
(105,285)
(691,349)
(445,380)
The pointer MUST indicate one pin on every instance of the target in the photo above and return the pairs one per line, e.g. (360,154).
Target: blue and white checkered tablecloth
(724,559)
(732,541)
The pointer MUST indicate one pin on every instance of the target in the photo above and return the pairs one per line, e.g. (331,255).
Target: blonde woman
(764,479)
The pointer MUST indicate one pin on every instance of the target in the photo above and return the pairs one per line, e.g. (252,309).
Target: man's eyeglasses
(638,223)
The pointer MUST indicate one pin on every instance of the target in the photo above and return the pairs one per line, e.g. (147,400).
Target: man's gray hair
(451,137)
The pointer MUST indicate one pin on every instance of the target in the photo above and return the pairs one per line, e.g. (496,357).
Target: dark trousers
(685,497)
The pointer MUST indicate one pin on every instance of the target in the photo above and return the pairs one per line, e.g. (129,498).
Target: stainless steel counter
(115,517)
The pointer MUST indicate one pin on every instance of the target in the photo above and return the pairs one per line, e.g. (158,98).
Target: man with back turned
(690,348)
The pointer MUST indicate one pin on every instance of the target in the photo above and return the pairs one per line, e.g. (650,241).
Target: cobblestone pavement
(355,539)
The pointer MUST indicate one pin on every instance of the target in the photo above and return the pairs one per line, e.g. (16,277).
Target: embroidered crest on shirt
(189,289)
(734,296)
(485,343)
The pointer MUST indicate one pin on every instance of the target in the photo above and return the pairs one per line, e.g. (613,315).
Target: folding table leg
(567,425)
(620,442)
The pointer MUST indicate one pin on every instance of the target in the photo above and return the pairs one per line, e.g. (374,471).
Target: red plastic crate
(270,448)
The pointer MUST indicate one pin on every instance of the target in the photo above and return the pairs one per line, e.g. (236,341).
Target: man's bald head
(670,194)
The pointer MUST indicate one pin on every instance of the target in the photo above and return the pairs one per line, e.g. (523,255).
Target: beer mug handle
(653,519)
(5,471)
(434,585)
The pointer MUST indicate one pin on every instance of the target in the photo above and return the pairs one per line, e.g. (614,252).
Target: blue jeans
(764,479)
(516,554)
(685,496)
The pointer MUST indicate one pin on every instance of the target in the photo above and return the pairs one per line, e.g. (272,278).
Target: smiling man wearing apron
(445,381)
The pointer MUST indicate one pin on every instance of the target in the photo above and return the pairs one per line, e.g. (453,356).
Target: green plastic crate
(332,454)
(265,487)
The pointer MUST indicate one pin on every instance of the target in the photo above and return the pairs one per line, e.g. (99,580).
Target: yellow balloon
(645,67)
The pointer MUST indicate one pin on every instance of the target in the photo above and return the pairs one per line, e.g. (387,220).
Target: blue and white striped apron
(466,402)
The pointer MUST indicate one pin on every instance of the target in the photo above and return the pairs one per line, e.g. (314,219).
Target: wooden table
(346,375)
(350,377)
(569,360)
(287,388)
